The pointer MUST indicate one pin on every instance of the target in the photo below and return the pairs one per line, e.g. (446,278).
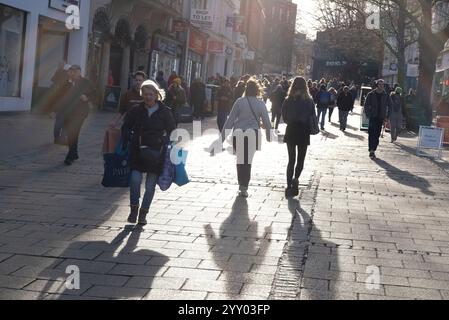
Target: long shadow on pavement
(239,213)
(405,178)
(314,259)
(123,263)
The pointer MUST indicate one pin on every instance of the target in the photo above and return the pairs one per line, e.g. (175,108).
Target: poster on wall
(216,47)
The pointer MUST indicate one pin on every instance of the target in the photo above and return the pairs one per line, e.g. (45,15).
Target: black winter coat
(155,133)
(373,109)
(69,105)
(345,102)
(297,113)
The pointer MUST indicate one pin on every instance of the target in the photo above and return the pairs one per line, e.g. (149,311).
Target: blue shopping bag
(168,172)
(117,170)
(181,177)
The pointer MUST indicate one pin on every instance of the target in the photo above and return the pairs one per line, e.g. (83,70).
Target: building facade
(302,62)
(279,35)
(34,41)
(131,35)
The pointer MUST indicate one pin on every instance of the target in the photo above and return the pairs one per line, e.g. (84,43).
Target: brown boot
(133,215)
(143,217)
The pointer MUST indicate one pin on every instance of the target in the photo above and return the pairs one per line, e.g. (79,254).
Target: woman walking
(395,114)
(297,111)
(146,130)
(245,119)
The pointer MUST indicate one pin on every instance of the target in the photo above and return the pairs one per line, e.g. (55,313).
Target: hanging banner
(216,47)
(198,42)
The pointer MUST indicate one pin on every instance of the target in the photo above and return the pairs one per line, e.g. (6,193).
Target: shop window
(12,23)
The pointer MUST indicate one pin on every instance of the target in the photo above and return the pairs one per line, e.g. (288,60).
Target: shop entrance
(52,54)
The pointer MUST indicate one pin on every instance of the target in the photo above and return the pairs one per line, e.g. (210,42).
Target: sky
(307,21)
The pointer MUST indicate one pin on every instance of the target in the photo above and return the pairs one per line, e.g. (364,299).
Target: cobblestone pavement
(354,217)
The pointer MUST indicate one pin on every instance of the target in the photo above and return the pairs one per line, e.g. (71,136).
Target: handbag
(181,177)
(117,169)
(168,172)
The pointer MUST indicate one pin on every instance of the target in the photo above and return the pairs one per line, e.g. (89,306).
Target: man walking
(74,109)
(132,97)
(345,104)
(377,104)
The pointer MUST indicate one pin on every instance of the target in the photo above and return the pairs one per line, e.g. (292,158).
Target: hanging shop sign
(197,42)
(215,47)
(202,18)
(166,46)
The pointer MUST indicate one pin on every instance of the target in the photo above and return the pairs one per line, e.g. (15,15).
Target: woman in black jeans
(297,111)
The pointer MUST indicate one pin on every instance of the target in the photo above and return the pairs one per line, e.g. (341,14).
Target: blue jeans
(150,189)
(322,114)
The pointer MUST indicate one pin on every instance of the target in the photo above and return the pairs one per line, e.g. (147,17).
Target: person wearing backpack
(297,111)
(323,100)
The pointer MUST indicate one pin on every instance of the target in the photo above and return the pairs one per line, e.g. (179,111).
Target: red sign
(443,122)
(198,42)
(179,26)
(215,46)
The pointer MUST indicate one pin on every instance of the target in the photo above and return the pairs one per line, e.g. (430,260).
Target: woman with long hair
(297,111)
(245,119)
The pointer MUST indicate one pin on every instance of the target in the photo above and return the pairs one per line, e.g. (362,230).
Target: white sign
(430,138)
(413,70)
(62,5)
(201,17)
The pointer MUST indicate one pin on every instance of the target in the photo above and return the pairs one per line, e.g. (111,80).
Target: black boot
(295,188)
(143,217)
(133,215)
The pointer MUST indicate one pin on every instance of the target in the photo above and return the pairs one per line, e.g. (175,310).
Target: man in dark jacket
(277,99)
(376,108)
(76,93)
(345,104)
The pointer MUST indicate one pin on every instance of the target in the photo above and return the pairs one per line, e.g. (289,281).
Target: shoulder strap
(252,110)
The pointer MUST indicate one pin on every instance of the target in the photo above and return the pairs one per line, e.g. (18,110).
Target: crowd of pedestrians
(149,113)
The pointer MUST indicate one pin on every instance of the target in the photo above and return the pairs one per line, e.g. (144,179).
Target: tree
(410,14)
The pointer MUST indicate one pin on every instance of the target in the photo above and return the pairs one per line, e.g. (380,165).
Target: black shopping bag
(117,170)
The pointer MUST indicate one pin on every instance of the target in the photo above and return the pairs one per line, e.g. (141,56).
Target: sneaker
(243,194)
(68,162)
(372,155)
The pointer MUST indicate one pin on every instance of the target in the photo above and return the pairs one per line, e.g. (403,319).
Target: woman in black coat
(345,103)
(297,111)
(147,126)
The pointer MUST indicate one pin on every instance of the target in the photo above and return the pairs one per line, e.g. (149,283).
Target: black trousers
(276,118)
(375,130)
(297,158)
(245,155)
(73,132)
(331,112)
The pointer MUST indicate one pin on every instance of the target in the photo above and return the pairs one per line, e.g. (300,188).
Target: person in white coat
(245,120)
